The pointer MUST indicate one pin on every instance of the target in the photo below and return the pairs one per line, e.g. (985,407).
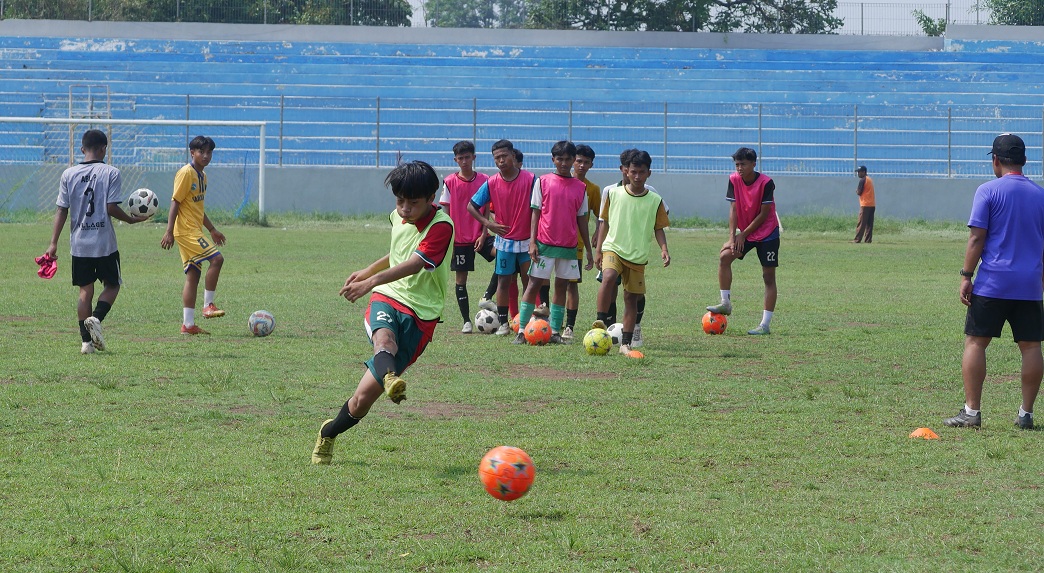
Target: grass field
(729,453)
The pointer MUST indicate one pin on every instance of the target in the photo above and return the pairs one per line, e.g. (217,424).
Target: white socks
(188,316)
(1022,412)
(766,317)
(208,297)
(971,412)
(725,295)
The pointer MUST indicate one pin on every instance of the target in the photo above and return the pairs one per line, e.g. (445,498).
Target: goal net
(35,151)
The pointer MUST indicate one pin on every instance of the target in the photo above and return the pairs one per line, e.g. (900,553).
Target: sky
(875,18)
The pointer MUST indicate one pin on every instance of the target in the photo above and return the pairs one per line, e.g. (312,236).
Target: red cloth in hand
(48,266)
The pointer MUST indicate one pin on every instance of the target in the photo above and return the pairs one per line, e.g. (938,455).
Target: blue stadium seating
(326,102)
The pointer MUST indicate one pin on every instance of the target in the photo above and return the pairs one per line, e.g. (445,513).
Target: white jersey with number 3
(86,190)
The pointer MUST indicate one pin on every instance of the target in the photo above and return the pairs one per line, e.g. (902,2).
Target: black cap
(1009,146)
(861,168)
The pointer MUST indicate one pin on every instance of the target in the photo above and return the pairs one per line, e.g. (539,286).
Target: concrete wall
(357,190)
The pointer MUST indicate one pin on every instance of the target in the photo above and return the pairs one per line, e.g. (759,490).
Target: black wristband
(967,274)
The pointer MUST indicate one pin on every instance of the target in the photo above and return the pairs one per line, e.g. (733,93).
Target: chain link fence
(854,18)
(797,139)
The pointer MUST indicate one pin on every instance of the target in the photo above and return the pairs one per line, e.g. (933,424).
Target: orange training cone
(925,433)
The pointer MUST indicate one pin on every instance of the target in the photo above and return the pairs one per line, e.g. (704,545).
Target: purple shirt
(1011,209)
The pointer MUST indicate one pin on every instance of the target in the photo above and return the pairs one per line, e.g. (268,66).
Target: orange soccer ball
(507,472)
(714,323)
(514,323)
(537,332)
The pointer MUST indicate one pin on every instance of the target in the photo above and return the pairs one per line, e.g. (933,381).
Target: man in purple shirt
(1007,244)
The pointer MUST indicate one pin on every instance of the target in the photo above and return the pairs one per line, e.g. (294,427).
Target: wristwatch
(967,274)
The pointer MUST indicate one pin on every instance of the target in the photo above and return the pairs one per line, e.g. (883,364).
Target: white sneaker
(87,348)
(468,329)
(504,330)
(625,349)
(485,303)
(567,334)
(93,326)
(636,338)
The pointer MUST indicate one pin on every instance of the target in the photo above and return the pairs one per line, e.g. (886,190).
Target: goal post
(35,150)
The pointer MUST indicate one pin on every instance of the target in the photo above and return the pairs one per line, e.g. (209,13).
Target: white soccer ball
(142,202)
(487,321)
(615,330)
(261,323)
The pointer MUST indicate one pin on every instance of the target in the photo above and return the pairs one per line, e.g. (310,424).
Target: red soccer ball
(507,472)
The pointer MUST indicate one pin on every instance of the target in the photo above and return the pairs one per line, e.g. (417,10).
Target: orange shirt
(867,198)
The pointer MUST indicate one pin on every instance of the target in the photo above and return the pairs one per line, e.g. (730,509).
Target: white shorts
(562,268)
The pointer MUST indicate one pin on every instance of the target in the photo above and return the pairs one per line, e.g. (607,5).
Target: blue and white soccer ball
(261,323)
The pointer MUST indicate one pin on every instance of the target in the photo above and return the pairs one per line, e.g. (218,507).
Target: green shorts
(411,333)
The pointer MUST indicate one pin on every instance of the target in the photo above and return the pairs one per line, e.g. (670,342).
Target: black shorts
(86,270)
(768,251)
(464,255)
(986,317)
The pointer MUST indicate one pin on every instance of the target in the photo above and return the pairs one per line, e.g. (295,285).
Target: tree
(1016,12)
(775,16)
(475,13)
(765,16)
(931,27)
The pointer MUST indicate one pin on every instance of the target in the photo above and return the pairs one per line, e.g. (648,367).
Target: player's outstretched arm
(115,211)
(354,290)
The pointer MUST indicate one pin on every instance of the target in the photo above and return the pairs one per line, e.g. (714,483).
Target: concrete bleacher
(326,101)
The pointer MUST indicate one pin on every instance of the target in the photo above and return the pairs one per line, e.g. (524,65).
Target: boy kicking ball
(409,289)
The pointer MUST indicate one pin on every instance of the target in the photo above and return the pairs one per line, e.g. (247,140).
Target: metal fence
(801,139)
(859,18)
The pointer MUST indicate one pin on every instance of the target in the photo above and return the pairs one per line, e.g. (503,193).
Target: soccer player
(559,213)
(185,224)
(752,225)
(585,157)
(509,190)
(631,214)
(636,339)
(90,192)
(409,290)
(470,236)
